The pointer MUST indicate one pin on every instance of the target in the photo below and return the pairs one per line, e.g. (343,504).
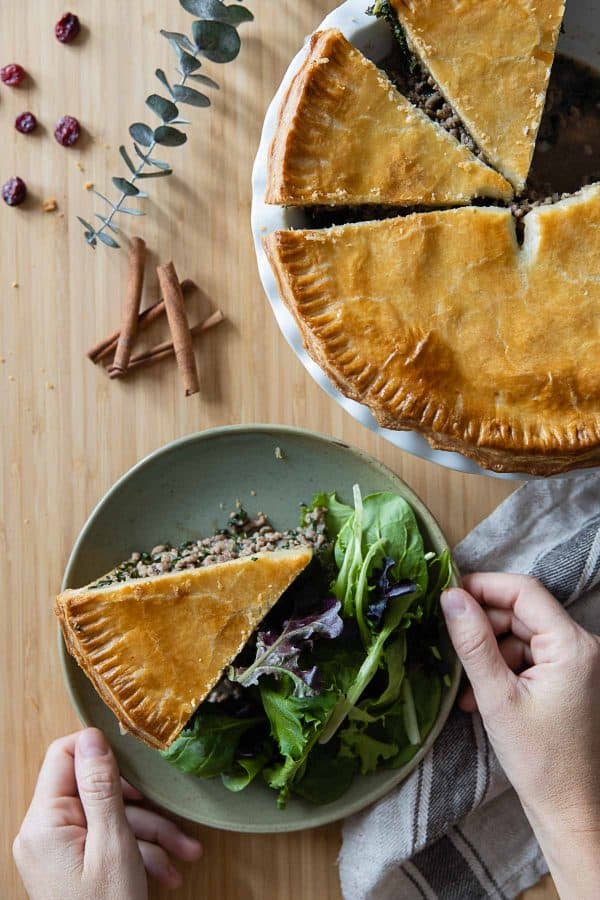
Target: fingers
(516,654)
(504,621)
(57,774)
(159,866)
(99,785)
(473,638)
(151,827)
(129,792)
(532,604)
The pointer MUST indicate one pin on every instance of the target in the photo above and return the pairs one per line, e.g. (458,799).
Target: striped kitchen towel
(455,830)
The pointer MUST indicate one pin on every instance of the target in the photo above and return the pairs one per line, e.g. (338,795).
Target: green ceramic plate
(186,490)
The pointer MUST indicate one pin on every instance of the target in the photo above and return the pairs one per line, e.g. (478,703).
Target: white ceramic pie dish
(581,40)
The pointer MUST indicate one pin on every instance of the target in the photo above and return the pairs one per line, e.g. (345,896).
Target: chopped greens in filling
(381,9)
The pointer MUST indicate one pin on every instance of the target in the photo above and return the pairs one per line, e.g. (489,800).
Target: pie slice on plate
(155,647)
(441,322)
(346,136)
(491,60)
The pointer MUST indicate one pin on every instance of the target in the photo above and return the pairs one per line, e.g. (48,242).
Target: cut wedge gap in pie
(155,647)
(491,60)
(440,322)
(346,136)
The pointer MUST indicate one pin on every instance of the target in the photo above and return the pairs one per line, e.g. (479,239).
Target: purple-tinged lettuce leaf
(386,589)
(279,655)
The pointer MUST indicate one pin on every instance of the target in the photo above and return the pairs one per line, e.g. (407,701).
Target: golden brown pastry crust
(439,322)
(492,62)
(346,136)
(155,647)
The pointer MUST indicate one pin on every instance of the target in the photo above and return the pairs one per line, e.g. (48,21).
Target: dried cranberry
(12,75)
(67,28)
(67,131)
(14,191)
(26,123)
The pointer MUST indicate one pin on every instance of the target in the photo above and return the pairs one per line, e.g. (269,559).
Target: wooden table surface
(67,432)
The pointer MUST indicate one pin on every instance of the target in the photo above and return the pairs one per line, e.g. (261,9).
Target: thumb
(99,786)
(476,646)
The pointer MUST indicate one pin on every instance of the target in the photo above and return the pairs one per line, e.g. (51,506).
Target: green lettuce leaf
(337,513)
(295,723)
(245,769)
(382,525)
(391,737)
(368,750)
(208,744)
(327,775)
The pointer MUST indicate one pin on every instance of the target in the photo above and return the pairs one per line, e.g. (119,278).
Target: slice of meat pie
(155,647)
(345,136)
(492,62)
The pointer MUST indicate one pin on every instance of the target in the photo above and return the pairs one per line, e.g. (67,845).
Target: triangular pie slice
(346,136)
(491,60)
(155,647)
(441,322)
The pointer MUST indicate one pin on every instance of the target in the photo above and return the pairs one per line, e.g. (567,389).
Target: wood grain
(68,432)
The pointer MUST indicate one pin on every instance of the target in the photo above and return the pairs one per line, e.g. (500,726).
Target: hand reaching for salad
(534,676)
(80,840)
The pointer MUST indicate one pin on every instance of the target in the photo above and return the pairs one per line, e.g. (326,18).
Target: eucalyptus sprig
(214,36)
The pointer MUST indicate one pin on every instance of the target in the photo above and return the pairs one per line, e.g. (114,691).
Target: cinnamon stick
(105,347)
(167,348)
(131,306)
(180,328)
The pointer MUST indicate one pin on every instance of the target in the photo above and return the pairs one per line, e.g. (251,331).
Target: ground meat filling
(569,130)
(423,92)
(243,536)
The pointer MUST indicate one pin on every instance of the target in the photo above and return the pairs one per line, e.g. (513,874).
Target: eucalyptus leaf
(107,224)
(188,64)
(164,109)
(102,197)
(157,163)
(204,79)
(169,137)
(185,94)
(141,133)
(127,158)
(163,80)
(159,174)
(238,14)
(216,11)
(130,211)
(89,228)
(126,187)
(107,239)
(140,153)
(218,41)
(179,40)
(206,9)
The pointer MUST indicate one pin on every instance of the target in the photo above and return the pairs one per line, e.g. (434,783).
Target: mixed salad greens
(346,673)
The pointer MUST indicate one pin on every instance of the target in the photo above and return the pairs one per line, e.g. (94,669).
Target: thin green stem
(140,168)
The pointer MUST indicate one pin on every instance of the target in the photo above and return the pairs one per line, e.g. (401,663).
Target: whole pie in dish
(442,322)
(155,647)
(346,136)
(491,59)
